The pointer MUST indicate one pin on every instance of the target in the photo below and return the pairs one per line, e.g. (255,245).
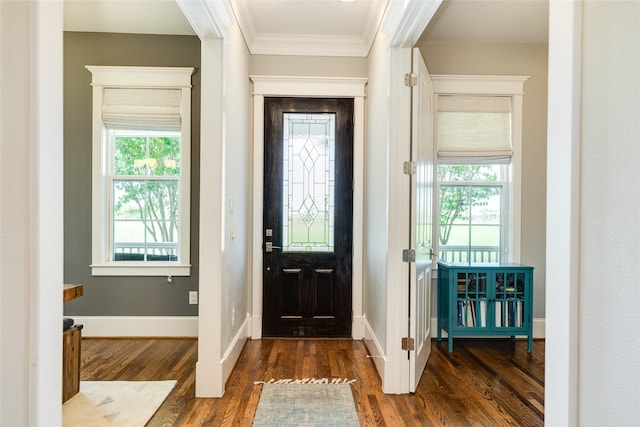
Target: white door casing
(349,87)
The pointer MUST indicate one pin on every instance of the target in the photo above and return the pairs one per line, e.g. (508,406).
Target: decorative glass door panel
(308,182)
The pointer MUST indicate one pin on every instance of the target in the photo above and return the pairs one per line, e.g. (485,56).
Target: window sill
(140,269)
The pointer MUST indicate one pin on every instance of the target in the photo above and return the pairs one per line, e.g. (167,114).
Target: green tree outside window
(141,198)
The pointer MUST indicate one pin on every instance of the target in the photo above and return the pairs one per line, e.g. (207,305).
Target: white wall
(375,199)
(609,343)
(592,374)
(308,66)
(237,186)
(14,191)
(31,242)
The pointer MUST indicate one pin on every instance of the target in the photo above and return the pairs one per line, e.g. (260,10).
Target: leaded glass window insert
(308,182)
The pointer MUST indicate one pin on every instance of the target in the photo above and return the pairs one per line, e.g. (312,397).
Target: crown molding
(308,45)
(405,20)
(209,18)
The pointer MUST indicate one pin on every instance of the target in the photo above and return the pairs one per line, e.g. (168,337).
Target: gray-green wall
(119,296)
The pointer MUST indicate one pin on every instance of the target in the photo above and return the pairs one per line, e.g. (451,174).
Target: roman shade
(474,129)
(142,108)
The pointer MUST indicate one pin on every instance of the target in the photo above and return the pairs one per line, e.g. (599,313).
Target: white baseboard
(232,353)
(138,326)
(538,328)
(187,326)
(357,328)
(256,327)
(375,349)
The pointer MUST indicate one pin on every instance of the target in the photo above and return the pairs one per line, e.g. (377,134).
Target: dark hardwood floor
(481,383)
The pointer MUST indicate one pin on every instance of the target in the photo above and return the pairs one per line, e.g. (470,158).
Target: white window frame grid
(505,203)
(102,151)
(113,178)
(512,86)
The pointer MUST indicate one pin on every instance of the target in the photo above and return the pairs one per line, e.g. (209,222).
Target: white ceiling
(318,27)
(309,27)
(126,16)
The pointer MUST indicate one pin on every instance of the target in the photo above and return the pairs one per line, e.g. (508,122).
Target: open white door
(421,219)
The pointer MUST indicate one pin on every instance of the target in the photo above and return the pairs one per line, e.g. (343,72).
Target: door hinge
(408,344)
(410,79)
(409,255)
(410,168)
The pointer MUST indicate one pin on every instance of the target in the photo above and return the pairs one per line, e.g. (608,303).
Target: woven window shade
(135,108)
(474,129)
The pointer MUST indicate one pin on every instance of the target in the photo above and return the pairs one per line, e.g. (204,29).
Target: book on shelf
(520,314)
(511,313)
(470,312)
(483,313)
(498,310)
(467,313)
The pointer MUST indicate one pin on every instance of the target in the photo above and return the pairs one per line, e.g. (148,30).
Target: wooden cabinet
(71,342)
(485,300)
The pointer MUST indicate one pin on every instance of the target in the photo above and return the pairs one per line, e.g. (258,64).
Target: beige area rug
(115,403)
(308,404)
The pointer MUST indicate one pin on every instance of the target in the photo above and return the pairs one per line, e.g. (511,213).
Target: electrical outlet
(193,297)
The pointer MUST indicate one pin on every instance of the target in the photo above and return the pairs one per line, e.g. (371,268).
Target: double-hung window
(478,144)
(141,170)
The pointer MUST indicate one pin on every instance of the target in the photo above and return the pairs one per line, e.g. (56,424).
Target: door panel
(422,219)
(308,217)
(324,292)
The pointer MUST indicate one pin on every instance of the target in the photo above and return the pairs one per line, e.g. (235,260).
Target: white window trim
(505,86)
(137,77)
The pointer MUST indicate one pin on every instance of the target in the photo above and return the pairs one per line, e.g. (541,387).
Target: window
(478,143)
(472,226)
(141,170)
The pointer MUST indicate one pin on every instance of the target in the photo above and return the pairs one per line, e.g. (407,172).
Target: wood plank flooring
(481,383)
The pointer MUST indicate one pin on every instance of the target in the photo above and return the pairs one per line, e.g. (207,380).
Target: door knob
(269,247)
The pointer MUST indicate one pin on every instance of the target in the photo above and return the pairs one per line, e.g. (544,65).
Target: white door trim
(324,87)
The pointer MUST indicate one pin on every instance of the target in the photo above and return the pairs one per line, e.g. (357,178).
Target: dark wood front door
(308,217)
